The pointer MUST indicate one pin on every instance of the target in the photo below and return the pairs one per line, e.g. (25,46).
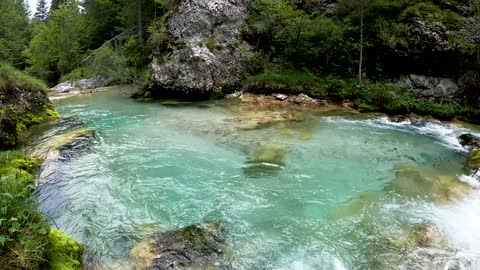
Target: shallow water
(331,205)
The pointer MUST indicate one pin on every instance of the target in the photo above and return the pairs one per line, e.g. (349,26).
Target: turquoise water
(155,167)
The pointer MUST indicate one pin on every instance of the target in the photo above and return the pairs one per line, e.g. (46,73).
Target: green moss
(64,252)
(366,107)
(23,230)
(28,119)
(475,159)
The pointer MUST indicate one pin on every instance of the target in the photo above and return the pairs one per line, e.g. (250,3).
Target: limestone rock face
(208,53)
(90,83)
(431,87)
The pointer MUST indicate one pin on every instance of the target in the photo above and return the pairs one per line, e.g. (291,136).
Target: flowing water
(346,196)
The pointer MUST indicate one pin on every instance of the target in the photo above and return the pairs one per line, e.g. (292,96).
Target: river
(352,191)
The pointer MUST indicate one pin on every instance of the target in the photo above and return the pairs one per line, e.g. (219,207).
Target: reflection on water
(340,197)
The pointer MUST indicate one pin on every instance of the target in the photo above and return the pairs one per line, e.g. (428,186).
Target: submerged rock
(65,136)
(265,160)
(411,181)
(193,247)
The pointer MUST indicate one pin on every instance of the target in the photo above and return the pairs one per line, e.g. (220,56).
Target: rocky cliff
(207,54)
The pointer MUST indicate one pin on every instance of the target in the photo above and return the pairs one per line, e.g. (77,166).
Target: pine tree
(56,4)
(41,13)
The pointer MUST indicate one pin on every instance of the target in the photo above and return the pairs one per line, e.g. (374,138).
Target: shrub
(288,81)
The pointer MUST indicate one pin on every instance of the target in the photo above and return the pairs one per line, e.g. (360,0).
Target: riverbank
(26,239)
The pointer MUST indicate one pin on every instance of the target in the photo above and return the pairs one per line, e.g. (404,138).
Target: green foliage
(23,229)
(55,48)
(41,13)
(14,31)
(278,29)
(11,79)
(287,81)
(65,253)
(42,115)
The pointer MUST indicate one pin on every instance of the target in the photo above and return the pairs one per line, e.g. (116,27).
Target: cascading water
(349,192)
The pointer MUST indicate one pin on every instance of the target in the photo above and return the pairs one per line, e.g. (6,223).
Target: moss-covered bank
(366,95)
(26,240)
(23,103)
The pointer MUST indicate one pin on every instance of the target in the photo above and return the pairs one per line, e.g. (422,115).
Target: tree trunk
(140,21)
(360,62)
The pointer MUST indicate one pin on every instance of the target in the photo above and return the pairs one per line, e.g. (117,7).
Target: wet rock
(65,136)
(304,99)
(193,247)
(89,83)
(266,160)
(411,181)
(269,153)
(428,236)
(469,141)
(281,97)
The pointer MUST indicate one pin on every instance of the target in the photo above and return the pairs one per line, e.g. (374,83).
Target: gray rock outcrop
(431,87)
(89,83)
(207,55)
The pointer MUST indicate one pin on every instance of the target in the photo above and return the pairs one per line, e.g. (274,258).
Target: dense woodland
(377,39)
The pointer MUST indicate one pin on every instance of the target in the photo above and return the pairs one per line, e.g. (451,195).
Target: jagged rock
(210,57)
(90,83)
(193,247)
(431,87)
(469,141)
(430,36)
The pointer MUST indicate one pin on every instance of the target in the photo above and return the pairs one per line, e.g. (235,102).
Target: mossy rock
(269,153)
(192,247)
(413,182)
(65,253)
(474,160)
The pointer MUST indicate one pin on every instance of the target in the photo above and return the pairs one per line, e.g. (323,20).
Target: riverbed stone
(194,247)
(66,136)
(413,182)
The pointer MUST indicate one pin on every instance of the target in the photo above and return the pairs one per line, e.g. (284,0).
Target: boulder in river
(470,141)
(193,247)
(88,83)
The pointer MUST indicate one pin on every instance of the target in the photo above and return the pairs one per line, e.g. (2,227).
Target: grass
(367,96)
(12,79)
(26,240)
(23,229)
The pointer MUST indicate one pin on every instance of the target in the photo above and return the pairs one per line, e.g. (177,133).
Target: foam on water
(446,133)
(155,168)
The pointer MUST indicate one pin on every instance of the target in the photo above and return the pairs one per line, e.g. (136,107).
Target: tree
(41,14)
(56,4)
(14,31)
(55,48)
